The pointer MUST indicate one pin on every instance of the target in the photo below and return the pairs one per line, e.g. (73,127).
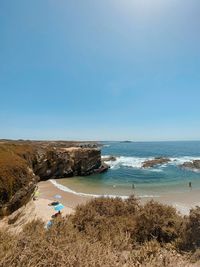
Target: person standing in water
(190,185)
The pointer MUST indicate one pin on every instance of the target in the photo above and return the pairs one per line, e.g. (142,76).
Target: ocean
(126,171)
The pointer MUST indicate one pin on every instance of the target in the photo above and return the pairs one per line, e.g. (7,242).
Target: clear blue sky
(101,70)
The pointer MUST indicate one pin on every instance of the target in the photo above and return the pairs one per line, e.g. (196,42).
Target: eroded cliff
(23,164)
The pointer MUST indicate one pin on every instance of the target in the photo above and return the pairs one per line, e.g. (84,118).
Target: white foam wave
(134,162)
(68,190)
(137,162)
(181,160)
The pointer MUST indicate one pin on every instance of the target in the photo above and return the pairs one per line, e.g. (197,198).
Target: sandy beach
(183,202)
(47,191)
(41,208)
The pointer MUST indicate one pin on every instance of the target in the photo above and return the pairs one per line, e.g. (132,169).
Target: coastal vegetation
(108,232)
(14,171)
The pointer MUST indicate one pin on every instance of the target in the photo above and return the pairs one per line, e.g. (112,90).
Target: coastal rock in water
(23,164)
(103,168)
(193,165)
(154,162)
(109,158)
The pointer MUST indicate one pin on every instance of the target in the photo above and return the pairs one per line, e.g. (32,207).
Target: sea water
(126,175)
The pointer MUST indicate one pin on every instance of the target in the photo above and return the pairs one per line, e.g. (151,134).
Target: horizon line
(90,140)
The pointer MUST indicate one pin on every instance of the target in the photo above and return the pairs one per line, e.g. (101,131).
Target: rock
(23,164)
(103,168)
(66,162)
(154,162)
(109,158)
(193,165)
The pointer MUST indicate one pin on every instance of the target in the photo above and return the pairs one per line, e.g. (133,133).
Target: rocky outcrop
(109,158)
(154,162)
(67,162)
(193,165)
(103,168)
(23,165)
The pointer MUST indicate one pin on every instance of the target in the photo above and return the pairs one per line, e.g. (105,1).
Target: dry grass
(104,232)
(13,170)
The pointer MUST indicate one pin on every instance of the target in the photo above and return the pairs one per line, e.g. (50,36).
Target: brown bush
(7,243)
(157,221)
(104,232)
(151,254)
(190,236)
(63,245)
(107,220)
(100,208)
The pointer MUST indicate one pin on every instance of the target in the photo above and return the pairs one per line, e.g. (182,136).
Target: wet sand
(48,191)
(182,201)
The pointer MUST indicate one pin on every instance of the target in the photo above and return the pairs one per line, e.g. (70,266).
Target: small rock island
(154,162)
(192,165)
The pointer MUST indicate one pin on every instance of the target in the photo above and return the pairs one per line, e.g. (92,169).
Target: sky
(100,70)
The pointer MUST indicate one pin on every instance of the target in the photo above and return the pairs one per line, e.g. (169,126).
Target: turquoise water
(126,170)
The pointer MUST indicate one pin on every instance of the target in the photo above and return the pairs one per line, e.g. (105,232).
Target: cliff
(23,164)
(67,162)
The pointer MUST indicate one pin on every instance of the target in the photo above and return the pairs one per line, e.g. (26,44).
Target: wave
(181,160)
(134,162)
(137,162)
(68,190)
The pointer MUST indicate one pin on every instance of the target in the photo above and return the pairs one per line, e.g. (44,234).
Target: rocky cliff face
(67,162)
(22,165)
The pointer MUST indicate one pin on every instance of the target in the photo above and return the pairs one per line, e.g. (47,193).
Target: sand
(48,191)
(40,208)
(183,202)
